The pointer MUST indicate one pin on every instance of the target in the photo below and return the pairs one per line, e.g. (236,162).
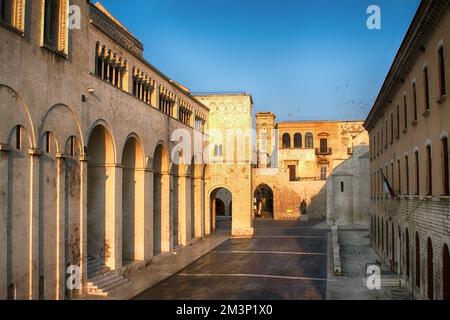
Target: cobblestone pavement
(356,252)
(285,260)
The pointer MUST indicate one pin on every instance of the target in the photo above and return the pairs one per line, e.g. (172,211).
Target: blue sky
(301,59)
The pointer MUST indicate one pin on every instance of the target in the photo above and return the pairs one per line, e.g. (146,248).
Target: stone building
(348,187)
(92,176)
(408,127)
(295,160)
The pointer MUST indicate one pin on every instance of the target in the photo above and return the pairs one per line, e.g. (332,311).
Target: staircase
(101,279)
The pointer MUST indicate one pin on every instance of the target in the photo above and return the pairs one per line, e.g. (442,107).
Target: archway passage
(221,208)
(132,201)
(445,273)
(263,197)
(100,196)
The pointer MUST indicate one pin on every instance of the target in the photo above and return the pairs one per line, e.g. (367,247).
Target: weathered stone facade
(302,156)
(408,129)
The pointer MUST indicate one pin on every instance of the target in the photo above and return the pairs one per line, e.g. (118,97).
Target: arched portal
(445,273)
(132,201)
(161,204)
(221,204)
(430,270)
(263,197)
(100,197)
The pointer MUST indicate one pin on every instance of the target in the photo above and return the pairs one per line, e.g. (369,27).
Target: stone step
(101,277)
(107,280)
(115,285)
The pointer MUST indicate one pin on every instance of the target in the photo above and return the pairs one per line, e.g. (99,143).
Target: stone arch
(14,112)
(430,270)
(101,197)
(225,195)
(445,272)
(264,196)
(286,140)
(133,165)
(417,261)
(162,222)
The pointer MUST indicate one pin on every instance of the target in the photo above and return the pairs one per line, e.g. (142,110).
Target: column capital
(35,152)
(5,147)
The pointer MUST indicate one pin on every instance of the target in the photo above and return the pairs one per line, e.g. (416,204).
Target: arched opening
(309,141)
(298,141)
(100,198)
(445,273)
(161,204)
(221,204)
(286,141)
(407,254)
(263,198)
(417,260)
(11,292)
(132,201)
(393,246)
(430,276)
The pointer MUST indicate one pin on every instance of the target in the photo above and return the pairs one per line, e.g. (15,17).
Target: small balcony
(324,151)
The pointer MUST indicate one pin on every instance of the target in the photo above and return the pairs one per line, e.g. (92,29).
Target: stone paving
(284,261)
(356,252)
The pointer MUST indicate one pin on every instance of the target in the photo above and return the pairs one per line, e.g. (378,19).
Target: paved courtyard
(284,261)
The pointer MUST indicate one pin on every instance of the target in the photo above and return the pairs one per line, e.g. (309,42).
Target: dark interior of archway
(221,209)
(264,202)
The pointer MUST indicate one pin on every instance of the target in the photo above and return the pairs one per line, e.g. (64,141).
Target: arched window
(441,59)
(286,141)
(426,89)
(407,254)
(309,141)
(430,275)
(417,261)
(414,101)
(429,172)
(445,273)
(298,140)
(445,170)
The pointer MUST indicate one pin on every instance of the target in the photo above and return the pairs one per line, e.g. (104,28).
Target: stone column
(209,223)
(166,218)
(83,223)
(184,211)
(60,223)
(113,225)
(148,215)
(33,259)
(199,207)
(3,221)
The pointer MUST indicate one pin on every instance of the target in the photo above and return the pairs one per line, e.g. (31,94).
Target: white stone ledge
(337,266)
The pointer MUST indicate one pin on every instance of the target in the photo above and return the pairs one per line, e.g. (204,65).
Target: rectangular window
(397,134)
(392,128)
(407,174)
(4,11)
(292,173)
(393,176)
(47,142)
(12,13)
(414,97)
(417,173)
(51,23)
(386,139)
(55,24)
(399,172)
(323,145)
(405,111)
(426,88)
(323,173)
(429,173)
(442,89)
(445,170)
